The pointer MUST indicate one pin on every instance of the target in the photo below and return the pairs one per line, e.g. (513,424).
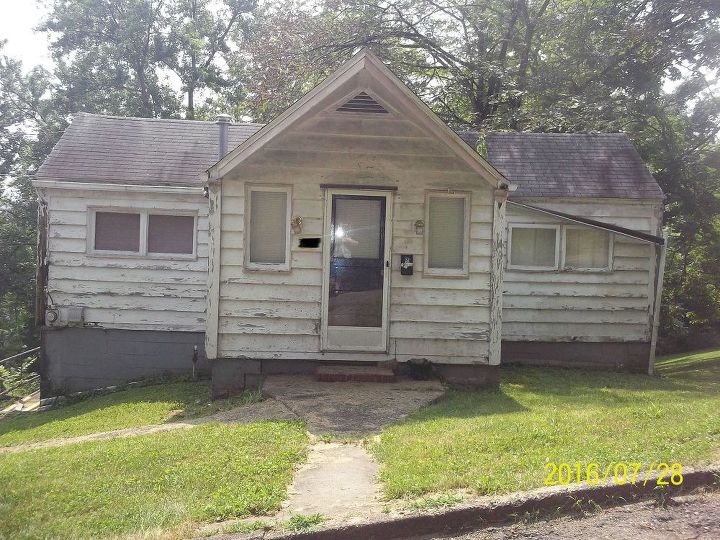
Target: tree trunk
(190,115)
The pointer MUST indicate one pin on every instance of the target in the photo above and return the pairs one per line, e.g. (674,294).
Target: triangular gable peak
(362,103)
(364,92)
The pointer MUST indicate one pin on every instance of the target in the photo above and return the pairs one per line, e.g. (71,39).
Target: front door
(356,260)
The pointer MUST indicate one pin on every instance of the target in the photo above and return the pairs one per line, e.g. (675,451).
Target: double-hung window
(267,218)
(553,247)
(447,233)
(586,249)
(534,247)
(142,233)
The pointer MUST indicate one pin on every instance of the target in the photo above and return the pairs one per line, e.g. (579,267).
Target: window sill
(531,269)
(559,270)
(140,256)
(434,273)
(279,269)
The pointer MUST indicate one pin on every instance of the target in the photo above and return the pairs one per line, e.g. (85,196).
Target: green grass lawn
(500,441)
(138,406)
(150,483)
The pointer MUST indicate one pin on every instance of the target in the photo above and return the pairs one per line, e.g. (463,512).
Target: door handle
(387,264)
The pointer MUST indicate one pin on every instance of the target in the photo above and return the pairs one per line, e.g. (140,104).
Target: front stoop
(371,374)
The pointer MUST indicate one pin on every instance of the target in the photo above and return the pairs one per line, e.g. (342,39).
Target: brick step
(355,374)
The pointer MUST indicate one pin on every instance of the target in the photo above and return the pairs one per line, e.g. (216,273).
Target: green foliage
(149,483)
(302,522)
(499,441)
(133,407)
(534,65)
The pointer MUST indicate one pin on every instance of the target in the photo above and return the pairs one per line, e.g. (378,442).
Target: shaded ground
(245,414)
(130,407)
(691,517)
(29,403)
(350,408)
(326,408)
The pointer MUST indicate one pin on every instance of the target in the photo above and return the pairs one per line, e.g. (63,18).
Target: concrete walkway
(246,414)
(350,408)
(327,408)
(338,481)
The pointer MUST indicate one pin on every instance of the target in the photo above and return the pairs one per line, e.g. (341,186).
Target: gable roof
(362,60)
(166,152)
(137,151)
(602,165)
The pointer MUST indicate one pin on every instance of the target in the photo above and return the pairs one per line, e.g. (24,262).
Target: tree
(106,52)
(118,56)
(198,40)
(27,132)
(542,65)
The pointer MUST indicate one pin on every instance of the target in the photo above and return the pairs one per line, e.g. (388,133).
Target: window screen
(587,248)
(268,227)
(117,231)
(446,232)
(533,247)
(170,234)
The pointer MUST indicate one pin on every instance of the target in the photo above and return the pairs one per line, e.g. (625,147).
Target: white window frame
(268,267)
(607,268)
(463,272)
(143,252)
(551,226)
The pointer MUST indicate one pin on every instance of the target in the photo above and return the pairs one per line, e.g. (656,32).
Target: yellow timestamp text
(620,473)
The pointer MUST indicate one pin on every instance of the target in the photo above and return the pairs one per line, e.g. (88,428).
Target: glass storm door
(356,273)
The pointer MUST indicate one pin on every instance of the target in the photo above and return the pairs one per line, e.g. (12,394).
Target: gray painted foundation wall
(629,356)
(76,359)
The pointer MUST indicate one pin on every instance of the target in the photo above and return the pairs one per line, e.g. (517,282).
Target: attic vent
(362,103)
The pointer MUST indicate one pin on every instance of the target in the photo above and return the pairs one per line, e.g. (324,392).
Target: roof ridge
(573,134)
(164,120)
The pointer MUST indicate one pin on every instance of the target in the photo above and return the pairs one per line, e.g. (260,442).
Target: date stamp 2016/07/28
(620,473)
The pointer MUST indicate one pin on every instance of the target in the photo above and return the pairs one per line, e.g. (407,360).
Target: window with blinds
(142,233)
(268,223)
(447,226)
(586,249)
(117,231)
(534,248)
(171,234)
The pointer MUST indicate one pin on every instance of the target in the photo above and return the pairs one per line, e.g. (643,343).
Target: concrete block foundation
(231,376)
(79,359)
(632,357)
(468,375)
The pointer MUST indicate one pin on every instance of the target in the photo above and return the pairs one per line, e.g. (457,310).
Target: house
(354,228)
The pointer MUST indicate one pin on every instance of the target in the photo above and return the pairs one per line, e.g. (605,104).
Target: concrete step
(354,373)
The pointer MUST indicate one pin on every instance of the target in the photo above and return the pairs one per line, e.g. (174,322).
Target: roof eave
(40,183)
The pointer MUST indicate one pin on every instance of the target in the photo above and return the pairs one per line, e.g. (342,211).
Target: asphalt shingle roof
(572,165)
(143,151)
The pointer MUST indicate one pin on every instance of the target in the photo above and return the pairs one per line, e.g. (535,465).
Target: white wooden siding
(133,292)
(585,305)
(277,315)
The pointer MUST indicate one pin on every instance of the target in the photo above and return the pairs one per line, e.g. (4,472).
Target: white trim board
(96,186)
(363,60)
